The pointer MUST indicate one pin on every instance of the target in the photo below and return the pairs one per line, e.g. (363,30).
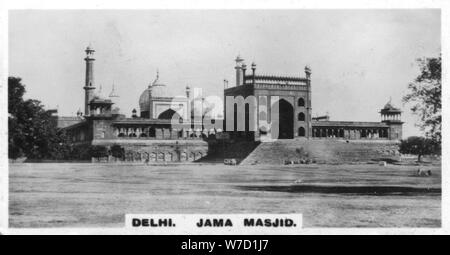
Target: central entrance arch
(168,115)
(286,122)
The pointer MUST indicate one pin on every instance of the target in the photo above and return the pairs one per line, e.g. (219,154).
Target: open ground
(99,195)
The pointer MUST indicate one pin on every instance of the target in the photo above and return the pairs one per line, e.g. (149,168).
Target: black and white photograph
(213,121)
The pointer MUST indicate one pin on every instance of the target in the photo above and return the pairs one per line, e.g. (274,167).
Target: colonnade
(162,133)
(350,133)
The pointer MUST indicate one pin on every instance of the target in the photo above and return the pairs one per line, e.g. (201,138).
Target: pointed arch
(301,102)
(168,115)
(301,116)
(286,120)
(301,131)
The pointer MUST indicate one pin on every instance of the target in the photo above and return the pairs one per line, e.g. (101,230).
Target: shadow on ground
(348,190)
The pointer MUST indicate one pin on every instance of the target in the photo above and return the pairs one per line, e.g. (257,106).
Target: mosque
(281,110)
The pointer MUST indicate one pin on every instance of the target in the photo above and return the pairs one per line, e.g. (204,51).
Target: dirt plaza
(99,195)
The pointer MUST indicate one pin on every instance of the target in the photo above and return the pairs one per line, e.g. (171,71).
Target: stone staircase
(229,150)
(322,151)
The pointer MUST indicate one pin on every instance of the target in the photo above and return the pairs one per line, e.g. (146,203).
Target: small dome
(307,69)
(389,106)
(89,49)
(390,109)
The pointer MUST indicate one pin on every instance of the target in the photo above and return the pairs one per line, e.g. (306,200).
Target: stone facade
(285,103)
(134,136)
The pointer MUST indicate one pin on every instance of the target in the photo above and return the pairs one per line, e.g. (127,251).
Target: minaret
(253,73)
(238,68)
(89,83)
(188,91)
(187,115)
(308,102)
(243,68)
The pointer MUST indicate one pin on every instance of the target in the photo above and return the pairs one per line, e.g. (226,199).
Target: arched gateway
(286,123)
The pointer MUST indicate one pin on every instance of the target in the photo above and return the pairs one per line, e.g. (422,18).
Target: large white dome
(160,90)
(157,89)
(144,101)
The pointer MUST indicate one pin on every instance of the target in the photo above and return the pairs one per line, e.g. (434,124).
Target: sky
(359,58)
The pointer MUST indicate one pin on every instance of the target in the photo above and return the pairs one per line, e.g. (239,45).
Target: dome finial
(308,71)
(157,77)
(239,59)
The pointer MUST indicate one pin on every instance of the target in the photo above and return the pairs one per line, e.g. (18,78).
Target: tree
(419,146)
(15,138)
(32,131)
(81,152)
(425,97)
(62,148)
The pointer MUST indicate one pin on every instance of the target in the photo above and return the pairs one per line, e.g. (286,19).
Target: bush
(98,151)
(117,151)
(80,152)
